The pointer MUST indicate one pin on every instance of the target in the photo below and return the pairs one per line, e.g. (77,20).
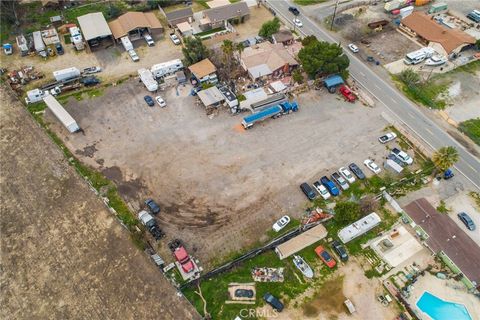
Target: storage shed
(211,97)
(301,241)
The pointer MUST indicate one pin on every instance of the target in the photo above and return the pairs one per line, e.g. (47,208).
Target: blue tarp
(333,81)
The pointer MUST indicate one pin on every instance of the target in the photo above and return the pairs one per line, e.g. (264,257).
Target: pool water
(439,309)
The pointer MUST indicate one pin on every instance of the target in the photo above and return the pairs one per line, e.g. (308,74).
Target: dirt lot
(63,254)
(114,61)
(220,187)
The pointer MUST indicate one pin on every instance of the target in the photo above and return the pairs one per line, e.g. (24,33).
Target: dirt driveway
(64,256)
(220,187)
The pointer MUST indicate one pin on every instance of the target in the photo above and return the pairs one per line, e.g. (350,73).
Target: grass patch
(208,32)
(426,93)
(215,290)
(472,129)
(308,2)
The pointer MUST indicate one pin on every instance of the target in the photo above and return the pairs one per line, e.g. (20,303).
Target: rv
(22,45)
(38,43)
(76,38)
(147,78)
(419,55)
(163,69)
(126,43)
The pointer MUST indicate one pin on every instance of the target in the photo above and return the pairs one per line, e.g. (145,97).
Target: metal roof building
(301,241)
(94,25)
(359,227)
(211,96)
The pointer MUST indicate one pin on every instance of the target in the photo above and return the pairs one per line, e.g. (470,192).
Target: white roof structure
(61,114)
(253,96)
(94,25)
(301,241)
(359,227)
(278,86)
(259,71)
(211,96)
(147,78)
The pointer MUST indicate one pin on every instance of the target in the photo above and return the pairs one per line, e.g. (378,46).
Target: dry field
(63,254)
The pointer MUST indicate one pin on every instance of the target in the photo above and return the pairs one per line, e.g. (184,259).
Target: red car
(325,256)
(182,256)
(347,93)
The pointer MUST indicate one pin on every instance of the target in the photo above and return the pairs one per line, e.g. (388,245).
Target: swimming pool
(438,309)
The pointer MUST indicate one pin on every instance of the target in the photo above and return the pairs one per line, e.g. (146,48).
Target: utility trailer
(61,114)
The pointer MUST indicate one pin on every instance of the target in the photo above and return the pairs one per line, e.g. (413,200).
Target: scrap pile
(316,215)
(23,76)
(267,274)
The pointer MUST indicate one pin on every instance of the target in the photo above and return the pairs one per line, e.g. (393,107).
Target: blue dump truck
(270,112)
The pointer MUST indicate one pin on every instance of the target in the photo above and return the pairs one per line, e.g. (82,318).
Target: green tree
(445,157)
(269,28)
(477,43)
(227,49)
(323,58)
(239,47)
(347,212)
(409,77)
(297,75)
(194,50)
(309,39)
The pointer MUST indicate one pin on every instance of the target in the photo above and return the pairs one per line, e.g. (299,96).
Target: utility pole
(334,13)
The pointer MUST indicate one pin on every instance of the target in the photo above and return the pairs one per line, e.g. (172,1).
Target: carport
(95,30)
(211,97)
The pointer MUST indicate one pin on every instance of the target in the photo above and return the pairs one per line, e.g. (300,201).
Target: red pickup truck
(184,259)
(347,93)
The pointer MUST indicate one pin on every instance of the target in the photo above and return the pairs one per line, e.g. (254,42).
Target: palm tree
(240,47)
(445,157)
(227,48)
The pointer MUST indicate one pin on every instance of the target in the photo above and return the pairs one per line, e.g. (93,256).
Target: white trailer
(66,74)
(126,43)
(76,38)
(22,44)
(61,114)
(38,43)
(147,79)
(419,55)
(166,68)
(35,95)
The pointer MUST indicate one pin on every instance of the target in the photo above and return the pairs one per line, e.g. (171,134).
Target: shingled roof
(427,28)
(131,20)
(234,10)
(445,235)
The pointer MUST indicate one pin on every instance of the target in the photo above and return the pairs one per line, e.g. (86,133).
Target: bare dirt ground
(220,188)
(63,254)
(258,16)
(463,96)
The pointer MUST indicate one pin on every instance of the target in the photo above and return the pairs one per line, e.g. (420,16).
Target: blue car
(467,221)
(330,186)
(149,101)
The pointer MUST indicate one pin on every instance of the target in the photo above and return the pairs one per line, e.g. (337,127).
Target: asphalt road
(408,113)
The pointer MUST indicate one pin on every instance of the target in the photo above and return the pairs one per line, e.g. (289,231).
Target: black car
(340,250)
(397,161)
(244,293)
(274,302)
(357,171)
(149,101)
(308,191)
(59,48)
(90,81)
(152,206)
(465,218)
(294,10)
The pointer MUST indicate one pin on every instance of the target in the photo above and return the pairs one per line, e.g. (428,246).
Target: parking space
(219,187)
(462,202)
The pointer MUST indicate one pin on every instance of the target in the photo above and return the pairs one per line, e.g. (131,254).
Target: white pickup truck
(174,38)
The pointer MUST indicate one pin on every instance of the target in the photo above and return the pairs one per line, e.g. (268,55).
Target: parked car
(372,166)
(244,293)
(281,223)
(308,191)
(325,256)
(387,137)
(133,55)
(330,186)
(89,81)
(272,301)
(347,174)
(174,38)
(149,101)
(357,171)
(91,70)
(182,256)
(353,48)
(297,22)
(397,161)
(59,48)
(465,218)
(321,190)
(148,38)
(160,101)
(294,10)
(402,155)
(340,180)
(152,206)
(340,250)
